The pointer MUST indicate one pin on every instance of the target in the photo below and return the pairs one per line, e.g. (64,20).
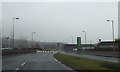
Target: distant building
(108,45)
(71,47)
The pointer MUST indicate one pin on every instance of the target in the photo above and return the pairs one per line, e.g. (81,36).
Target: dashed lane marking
(20,66)
(17,68)
(23,64)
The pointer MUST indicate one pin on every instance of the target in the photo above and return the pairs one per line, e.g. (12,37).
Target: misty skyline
(60,21)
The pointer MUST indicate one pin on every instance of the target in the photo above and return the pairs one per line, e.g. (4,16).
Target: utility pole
(112,32)
(85,38)
(13,30)
(32,40)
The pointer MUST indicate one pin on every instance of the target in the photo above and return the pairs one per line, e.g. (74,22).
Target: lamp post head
(7,38)
(108,20)
(84,31)
(16,18)
(33,32)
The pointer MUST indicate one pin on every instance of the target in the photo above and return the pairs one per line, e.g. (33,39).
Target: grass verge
(79,63)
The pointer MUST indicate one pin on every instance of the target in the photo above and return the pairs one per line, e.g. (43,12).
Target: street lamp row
(72,37)
(14,31)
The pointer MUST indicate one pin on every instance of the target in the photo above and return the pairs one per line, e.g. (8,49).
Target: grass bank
(79,63)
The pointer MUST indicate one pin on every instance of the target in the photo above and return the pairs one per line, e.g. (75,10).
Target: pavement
(110,59)
(35,61)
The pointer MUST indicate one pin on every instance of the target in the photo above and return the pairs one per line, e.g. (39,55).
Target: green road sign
(78,42)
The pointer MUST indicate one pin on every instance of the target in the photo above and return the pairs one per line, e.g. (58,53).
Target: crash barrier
(17,51)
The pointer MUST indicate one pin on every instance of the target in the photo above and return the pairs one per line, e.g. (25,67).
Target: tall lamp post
(13,29)
(112,31)
(85,38)
(32,39)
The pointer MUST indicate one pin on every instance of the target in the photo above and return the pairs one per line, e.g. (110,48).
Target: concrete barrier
(17,51)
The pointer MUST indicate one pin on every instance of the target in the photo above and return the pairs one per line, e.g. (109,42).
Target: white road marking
(59,62)
(23,64)
(20,66)
(70,68)
(17,68)
(62,64)
(46,51)
(66,66)
(55,59)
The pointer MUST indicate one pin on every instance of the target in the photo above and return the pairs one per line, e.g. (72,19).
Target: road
(42,61)
(35,61)
(110,59)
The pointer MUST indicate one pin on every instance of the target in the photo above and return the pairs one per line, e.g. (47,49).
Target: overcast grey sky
(58,21)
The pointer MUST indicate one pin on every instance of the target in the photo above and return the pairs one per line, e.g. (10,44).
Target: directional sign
(78,42)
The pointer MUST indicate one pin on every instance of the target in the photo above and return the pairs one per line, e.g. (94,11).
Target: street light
(32,39)
(85,38)
(7,42)
(13,30)
(112,31)
(98,39)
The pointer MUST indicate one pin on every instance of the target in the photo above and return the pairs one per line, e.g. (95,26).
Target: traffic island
(79,63)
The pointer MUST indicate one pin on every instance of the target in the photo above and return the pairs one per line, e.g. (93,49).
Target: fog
(60,21)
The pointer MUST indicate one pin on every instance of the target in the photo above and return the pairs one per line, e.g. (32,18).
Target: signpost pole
(78,43)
